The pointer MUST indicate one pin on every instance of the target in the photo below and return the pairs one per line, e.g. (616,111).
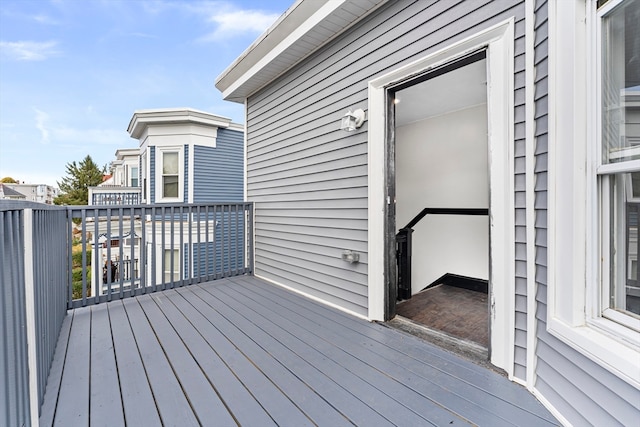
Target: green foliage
(8,180)
(74,187)
(76,272)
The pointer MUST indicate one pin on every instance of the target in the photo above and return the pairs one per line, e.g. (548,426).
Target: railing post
(30,305)
(403,254)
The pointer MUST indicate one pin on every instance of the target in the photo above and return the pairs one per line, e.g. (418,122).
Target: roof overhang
(169,116)
(305,27)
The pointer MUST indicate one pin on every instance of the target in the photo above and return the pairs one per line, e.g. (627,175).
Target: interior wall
(442,162)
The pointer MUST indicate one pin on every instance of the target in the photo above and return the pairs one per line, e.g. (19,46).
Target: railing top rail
(156,208)
(445,211)
(15,205)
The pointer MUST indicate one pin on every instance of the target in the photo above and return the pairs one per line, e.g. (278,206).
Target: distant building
(8,193)
(40,193)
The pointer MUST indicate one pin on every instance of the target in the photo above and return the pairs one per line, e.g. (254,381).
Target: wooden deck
(240,351)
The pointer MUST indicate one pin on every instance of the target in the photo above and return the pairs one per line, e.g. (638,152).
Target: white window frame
(160,152)
(574,230)
(133,176)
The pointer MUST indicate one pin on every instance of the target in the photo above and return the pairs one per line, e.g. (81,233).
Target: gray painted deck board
(106,405)
(244,351)
(137,399)
(440,387)
(73,401)
(173,405)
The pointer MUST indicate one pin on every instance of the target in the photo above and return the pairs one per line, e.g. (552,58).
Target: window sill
(617,356)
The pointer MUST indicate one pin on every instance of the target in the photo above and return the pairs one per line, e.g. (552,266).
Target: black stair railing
(404,243)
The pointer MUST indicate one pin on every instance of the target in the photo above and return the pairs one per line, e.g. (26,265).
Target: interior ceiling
(455,90)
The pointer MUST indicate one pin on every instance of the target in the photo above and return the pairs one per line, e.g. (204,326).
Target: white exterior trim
(571,214)
(30,305)
(499,42)
(530,161)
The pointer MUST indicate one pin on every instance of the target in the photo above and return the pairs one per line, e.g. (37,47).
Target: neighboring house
(40,193)
(185,156)
(188,156)
(8,193)
(122,186)
(526,108)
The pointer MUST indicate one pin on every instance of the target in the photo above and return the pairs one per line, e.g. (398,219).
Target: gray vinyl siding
(520,198)
(218,172)
(581,390)
(298,160)
(152,174)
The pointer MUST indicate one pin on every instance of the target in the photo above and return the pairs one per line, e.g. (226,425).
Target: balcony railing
(133,250)
(56,258)
(114,196)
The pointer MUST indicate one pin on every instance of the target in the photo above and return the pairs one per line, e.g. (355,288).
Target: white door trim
(499,41)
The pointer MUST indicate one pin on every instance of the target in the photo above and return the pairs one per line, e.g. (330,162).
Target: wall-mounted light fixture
(350,256)
(352,120)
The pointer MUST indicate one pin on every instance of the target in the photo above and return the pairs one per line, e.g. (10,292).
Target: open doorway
(442,189)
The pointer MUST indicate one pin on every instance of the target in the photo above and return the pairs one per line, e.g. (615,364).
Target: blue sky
(72,72)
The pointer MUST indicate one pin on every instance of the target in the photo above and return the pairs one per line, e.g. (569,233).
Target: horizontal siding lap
(353,298)
(329,242)
(328,175)
(300,160)
(256,177)
(317,263)
(301,248)
(335,233)
(308,221)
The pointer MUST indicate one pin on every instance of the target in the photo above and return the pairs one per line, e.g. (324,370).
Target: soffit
(302,29)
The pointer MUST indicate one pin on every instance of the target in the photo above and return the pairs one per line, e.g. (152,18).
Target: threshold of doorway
(467,349)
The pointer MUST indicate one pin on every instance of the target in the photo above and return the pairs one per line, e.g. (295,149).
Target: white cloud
(231,23)
(41,124)
(68,136)
(28,50)
(44,19)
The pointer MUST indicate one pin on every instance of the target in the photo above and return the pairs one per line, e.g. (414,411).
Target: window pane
(621,83)
(170,164)
(169,186)
(171,269)
(134,176)
(624,289)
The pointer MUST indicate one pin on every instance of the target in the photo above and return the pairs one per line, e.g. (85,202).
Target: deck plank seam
(115,360)
(320,371)
(483,390)
(212,347)
(146,374)
(241,351)
(295,375)
(168,359)
(155,299)
(334,347)
(180,312)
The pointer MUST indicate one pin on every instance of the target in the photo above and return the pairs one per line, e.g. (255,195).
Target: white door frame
(499,41)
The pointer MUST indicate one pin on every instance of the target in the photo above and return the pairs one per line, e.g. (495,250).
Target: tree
(74,187)
(8,180)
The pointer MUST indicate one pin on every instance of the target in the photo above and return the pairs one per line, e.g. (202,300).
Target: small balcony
(114,196)
(151,315)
